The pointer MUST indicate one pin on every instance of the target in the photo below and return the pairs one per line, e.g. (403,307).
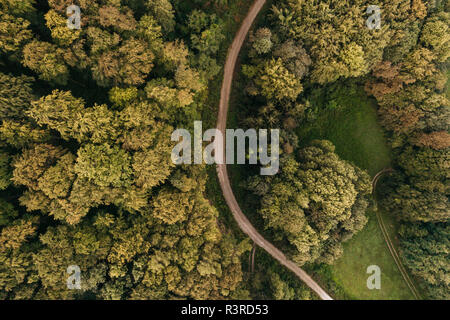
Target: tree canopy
(85,154)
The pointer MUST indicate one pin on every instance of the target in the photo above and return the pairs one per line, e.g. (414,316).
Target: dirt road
(222,173)
(388,240)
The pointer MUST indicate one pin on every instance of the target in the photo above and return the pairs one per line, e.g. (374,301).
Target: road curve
(388,240)
(222,172)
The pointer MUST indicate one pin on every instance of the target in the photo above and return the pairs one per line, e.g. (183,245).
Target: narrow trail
(222,172)
(388,240)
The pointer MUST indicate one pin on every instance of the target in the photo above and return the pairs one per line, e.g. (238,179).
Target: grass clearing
(365,249)
(350,122)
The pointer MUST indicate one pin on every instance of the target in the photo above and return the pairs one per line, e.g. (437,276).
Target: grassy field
(350,122)
(365,249)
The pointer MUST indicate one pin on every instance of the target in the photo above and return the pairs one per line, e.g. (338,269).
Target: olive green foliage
(422,243)
(315,203)
(410,90)
(85,150)
(335,36)
(306,44)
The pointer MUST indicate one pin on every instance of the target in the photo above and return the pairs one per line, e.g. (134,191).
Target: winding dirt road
(222,172)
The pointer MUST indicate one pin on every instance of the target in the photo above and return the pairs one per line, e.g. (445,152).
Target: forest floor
(353,128)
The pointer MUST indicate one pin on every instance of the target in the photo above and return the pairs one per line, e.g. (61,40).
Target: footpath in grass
(368,248)
(347,117)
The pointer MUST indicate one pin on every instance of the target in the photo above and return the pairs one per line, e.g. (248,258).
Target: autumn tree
(45,59)
(262,40)
(437,140)
(435,35)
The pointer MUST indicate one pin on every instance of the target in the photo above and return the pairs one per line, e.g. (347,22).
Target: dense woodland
(87,180)
(86,176)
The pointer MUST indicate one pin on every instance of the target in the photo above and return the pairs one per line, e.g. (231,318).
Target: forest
(86,176)
(319,200)
(85,153)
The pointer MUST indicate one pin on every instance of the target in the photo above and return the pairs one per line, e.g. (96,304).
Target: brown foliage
(112,17)
(419,9)
(391,81)
(400,120)
(437,140)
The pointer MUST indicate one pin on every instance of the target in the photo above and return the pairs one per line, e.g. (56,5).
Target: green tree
(104,165)
(294,57)
(435,35)
(16,96)
(261,40)
(171,207)
(58,111)
(276,82)
(89,160)
(14,35)
(426,248)
(206,32)
(5,170)
(316,203)
(163,11)
(45,59)
(334,37)
(129,64)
